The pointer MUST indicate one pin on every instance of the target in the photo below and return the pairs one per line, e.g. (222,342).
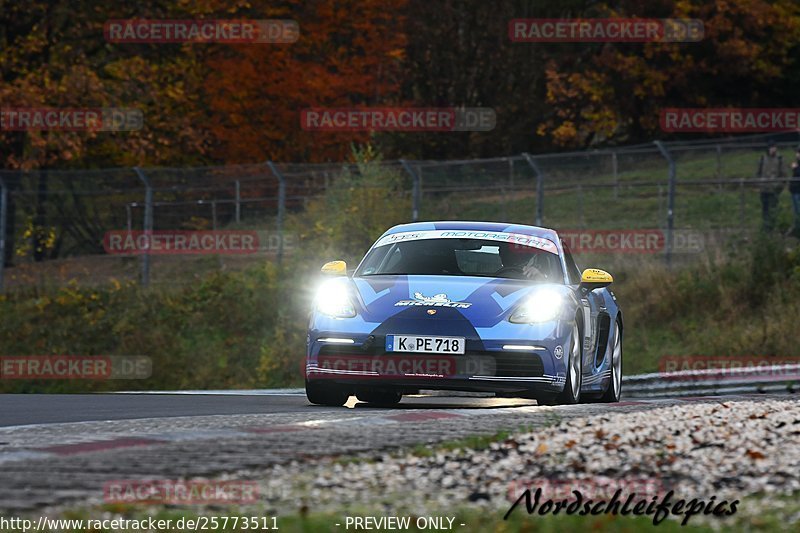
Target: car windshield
(463,257)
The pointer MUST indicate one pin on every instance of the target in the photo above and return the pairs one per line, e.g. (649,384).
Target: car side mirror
(594,278)
(335,268)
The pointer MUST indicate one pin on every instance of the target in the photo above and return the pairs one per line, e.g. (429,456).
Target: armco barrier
(774,378)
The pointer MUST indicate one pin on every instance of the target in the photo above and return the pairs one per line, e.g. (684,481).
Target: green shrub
(199,336)
(356,210)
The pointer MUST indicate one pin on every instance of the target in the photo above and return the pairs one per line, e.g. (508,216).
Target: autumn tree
(53,54)
(613,92)
(348,54)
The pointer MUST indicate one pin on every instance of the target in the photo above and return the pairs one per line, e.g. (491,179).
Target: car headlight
(543,306)
(332,299)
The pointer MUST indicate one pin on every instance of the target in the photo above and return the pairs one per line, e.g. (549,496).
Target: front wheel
(612,393)
(572,387)
(326,394)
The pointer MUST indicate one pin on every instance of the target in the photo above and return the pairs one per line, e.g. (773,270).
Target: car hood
(482,301)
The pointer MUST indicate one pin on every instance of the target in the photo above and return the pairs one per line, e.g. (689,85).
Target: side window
(573,271)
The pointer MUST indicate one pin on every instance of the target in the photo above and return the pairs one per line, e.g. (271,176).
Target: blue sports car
(472,306)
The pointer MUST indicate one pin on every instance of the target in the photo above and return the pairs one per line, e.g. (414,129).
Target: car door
(591,305)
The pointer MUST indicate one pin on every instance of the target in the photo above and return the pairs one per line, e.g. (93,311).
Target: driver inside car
(523,263)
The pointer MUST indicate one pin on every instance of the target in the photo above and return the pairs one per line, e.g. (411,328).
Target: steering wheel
(517,269)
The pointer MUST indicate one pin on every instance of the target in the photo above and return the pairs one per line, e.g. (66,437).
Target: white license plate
(418,344)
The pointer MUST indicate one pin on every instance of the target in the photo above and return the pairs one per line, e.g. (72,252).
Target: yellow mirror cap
(335,267)
(595,275)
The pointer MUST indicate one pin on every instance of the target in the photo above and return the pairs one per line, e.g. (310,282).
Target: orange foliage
(348,54)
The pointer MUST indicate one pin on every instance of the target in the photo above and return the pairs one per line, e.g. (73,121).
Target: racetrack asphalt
(27,409)
(58,450)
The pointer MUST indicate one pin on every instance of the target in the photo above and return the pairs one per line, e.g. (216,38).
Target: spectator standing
(794,190)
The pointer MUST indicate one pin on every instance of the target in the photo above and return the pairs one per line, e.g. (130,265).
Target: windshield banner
(517,239)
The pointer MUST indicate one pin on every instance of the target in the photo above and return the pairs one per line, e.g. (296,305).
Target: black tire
(326,394)
(380,397)
(572,387)
(614,389)
(547,399)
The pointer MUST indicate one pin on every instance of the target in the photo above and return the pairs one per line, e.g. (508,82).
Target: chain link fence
(55,224)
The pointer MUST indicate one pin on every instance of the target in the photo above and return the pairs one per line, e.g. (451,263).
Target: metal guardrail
(707,382)
(715,381)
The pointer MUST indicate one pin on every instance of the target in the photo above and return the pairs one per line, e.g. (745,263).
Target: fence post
(129,215)
(416,190)
(539,187)
(214,215)
(580,206)
(281,206)
(148,223)
(741,201)
(670,199)
(421,177)
(615,171)
(3,216)
(238,202)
